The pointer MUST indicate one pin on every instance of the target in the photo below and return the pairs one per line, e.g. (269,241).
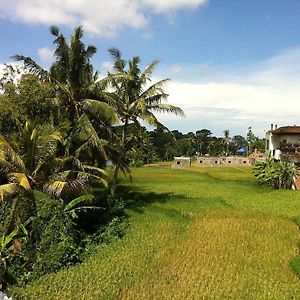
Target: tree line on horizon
(160,145)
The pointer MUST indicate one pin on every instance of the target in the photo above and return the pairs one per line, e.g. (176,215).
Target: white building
(287,139)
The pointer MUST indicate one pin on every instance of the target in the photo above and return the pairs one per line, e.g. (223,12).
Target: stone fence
(223,161)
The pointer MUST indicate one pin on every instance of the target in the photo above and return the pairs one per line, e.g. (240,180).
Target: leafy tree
(251,138)
(163,142)
(237,142)
(203,137)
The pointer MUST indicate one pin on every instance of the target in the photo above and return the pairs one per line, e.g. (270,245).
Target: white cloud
(46,55)
(107,66)
(176,69)
(269,94)
(101,17)
(168,5)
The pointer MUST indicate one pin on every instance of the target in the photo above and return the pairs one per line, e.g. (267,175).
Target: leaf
(100,110)
(8,190)
(21,179)
(78,200)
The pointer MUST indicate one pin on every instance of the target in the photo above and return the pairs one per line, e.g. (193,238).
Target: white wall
(275,140)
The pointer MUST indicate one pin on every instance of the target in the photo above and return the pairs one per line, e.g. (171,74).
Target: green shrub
(278,175)
(54,235)
(296,219)
(295,265)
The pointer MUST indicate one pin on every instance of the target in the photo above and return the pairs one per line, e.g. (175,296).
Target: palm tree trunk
(114,181)
(117,166)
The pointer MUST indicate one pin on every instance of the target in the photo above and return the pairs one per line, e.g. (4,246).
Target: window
(244,162)
(229,161)
(200,161)
(216,161)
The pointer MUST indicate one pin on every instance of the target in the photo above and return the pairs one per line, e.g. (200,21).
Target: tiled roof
(287,130)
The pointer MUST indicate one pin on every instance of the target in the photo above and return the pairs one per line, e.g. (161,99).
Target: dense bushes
(54,239)
(54,236)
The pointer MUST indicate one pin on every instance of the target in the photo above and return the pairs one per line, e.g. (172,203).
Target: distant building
(287,140)
(182,161)
(206,161)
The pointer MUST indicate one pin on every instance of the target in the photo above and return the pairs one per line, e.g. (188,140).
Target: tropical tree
(203,137)
(226,141)
(134,98)
(31,160)
(72,73)
(237,142)
(78,92)
(251,138)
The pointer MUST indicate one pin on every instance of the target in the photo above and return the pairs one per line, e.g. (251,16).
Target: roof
(182,158)
(287,130)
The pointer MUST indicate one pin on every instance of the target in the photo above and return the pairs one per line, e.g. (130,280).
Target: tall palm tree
(226,141)
(135,97)
(77,86)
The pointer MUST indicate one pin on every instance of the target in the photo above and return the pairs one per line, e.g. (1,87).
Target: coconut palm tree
(31,160)
(72,73)
(78,90)
(226,141)
(134,98)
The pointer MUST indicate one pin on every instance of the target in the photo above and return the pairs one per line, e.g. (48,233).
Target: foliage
(54,234)
(10,248)
(295,264)
(278,175)
(31,161)
(74,207)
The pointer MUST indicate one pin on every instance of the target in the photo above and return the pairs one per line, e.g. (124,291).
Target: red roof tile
(287,130)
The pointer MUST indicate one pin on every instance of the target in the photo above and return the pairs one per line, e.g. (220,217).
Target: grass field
(197,233)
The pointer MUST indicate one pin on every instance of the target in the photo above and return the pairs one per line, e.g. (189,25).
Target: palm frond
(8,154)
(8,189)
(55,188)
(154,89)
(21,179)
(33,67)
(149,69)
(88,134)
(54,30)
(167,108)
(100,110)
(119,63)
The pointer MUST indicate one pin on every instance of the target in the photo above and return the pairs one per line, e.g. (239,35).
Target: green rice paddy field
(197,233)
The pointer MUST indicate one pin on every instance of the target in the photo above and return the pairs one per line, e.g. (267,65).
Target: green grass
(195,233)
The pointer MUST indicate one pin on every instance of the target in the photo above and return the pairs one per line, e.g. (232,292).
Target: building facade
(287,140)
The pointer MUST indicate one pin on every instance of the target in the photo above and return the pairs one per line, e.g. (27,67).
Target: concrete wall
(206,161)
(181,162)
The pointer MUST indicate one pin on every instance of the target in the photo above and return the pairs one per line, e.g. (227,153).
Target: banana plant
(74,207)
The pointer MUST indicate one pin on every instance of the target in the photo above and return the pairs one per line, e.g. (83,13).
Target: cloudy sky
(233,63)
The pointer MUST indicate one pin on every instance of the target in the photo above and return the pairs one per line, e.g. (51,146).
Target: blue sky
(233,63)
